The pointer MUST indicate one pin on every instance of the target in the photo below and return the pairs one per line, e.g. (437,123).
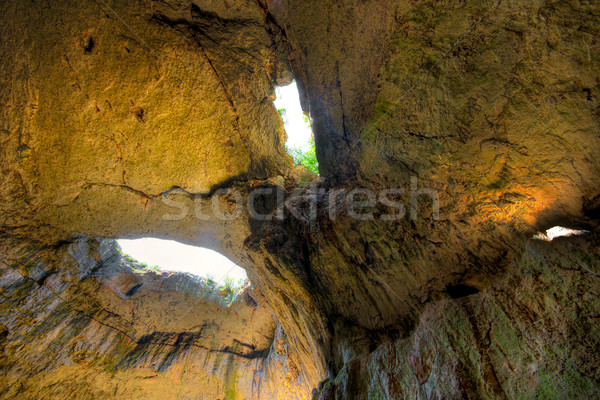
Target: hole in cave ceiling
(558,231)
(300,143)
(170,255)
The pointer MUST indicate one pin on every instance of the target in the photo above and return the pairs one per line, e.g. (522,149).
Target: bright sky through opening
(170,255)
(558,231)
(297,129)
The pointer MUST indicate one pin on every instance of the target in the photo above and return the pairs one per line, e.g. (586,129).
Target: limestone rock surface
(156,118)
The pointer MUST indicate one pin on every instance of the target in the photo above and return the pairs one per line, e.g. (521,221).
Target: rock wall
(109,106)
(490,106)
(533,334)
(130,118)
(86,325)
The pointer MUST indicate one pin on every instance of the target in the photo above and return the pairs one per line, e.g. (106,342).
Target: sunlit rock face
(106,106)
(123,119)
(82,324)
(486,103)
(490,102)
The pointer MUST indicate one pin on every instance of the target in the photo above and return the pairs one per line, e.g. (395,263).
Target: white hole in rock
(296,125)
(170,255)
(558,231)
(300,144)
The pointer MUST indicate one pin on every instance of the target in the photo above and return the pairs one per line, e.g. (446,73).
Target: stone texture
(125,118)
(106,107)
(487,103)
(87,326)
(533,334)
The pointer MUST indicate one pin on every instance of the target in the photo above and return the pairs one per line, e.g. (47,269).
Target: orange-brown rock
(131,118)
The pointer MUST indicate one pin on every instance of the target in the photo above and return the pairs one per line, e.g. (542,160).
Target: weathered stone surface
(86,326)
(125,118)
(487,103)
(338,49)
(106,106)
(533,334)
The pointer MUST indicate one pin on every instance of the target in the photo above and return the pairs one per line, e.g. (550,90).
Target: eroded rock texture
(84,325)
(488,103)
(127,118)
(108,105)
(533,334)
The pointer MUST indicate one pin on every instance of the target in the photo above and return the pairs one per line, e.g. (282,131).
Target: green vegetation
(231,382)
(137,266)
(305,155)
(109,365)
(146,267)
(225,292)
(307,158)
(282,112)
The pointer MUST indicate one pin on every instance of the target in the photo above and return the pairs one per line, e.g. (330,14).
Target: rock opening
(300,142)
(461,290)
(558,231)
(170,255)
